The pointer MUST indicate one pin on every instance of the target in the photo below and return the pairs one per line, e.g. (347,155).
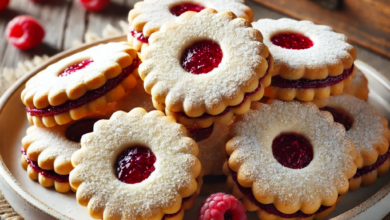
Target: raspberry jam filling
(88,96)
(292,150)
(75,67)
(340,116)
(278,81)
(368,169)
(139,35)
(135,164)
(292,41)
(46,173)
(270,208)
(199,134)
(78,129)
(177,10)
(202,57)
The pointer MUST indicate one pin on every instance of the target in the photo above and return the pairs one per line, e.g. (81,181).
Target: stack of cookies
(277,106)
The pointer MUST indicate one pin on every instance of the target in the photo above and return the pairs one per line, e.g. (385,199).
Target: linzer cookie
(136,97)
(137,165)
(368,131)
(359,86)
(289,160)
(46,152)
(149,16)
(202,81)
(311,61)
(80,84)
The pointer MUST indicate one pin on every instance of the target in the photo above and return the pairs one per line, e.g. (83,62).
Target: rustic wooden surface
(366,22)
(66,21)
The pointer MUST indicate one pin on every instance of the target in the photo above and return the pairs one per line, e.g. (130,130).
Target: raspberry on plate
(3,4)
(94,5)
(24,32)
(221,206)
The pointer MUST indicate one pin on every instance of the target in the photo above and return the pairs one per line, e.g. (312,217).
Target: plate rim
(10,180)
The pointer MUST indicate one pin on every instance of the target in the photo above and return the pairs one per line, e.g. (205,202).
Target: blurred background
(68,23)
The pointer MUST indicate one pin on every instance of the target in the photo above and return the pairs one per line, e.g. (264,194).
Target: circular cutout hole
(292,41)
(177,10)
(340,116)
(292,150)
(135,164)
(75,131)
(75,67)
(202,57)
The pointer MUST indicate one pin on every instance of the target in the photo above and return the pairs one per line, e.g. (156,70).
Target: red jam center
(202,57)
(177,10)
(139,35)
(292,41)
(78,129)
(340,116)
(292,150)
(75,67)
(199,134)
(135,164)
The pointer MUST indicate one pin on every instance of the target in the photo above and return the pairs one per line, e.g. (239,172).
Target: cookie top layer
(243,63)
(150,15)
(174,177)
(369,130)
(328,55)
(251,155)
(71,77)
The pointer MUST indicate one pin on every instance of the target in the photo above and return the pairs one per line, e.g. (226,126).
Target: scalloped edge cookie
(167,84)
(109,198)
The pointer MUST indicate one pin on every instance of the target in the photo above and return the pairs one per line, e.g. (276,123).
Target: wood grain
(365,22)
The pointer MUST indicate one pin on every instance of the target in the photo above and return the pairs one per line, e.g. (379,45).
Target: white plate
(32,201)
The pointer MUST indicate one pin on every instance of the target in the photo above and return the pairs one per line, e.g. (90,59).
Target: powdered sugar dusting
(367,130)
(155,13)
(242,55)
(50,144)
(254,132)
(146,200)
(329,49)
(210,150)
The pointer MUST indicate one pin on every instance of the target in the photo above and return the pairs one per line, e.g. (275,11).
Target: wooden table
(66,21)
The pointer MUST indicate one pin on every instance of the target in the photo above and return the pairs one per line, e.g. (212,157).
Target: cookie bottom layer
(269,211)
(308,94)
(44,180)
(135,43)
(206,120)
(370,177)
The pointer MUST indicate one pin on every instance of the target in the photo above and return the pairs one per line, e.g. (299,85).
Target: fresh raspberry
(94,5)
(3,4)
(24,32)
(221,206)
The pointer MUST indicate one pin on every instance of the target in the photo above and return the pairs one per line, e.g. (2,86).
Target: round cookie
(311,61)
(206,78)
(291,142)
(80,84)
(359,86)
(156,173)
(137,97)
(149,16)
(46,152)
(368,131)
